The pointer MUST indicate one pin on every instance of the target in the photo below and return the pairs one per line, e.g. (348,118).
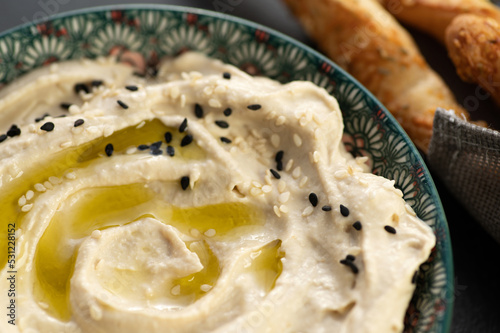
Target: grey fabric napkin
(466,158)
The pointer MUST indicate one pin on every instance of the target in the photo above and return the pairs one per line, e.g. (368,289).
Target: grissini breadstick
(473,44)
(363,38)
(433,16)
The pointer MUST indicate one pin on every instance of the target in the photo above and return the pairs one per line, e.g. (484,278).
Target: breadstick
(433,16)
(473,44)
(363,38)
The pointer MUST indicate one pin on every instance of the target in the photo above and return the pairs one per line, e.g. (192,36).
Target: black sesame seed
(143,147)
(186,140)
(357,225)
(279,156)
(156,152)
(78,122)
(254,107)
(185,182)
(81,87)
(96,83)
(390,229)
(226,75)
(168,137)
(156,145)
(225,140)
(198,111)
(227,112)
(14,131)
(222,123)
(279,166)
(65,106)
(414,277)
(344,210)
(170,151)
(326,208)
(351,265)
(132,88)
(48,127)
(350,257)
(275,173)
(3,137)
(39,119)
(123,105)
(313,199)
(62,116)
(183,125)
(109,149)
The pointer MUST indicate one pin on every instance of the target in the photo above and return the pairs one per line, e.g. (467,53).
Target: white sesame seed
(66,144)
(303,121)
(43,305)
(267,188)
(176,290)
(363,182)
(316,118)
(205,287)
(398,192)
(256,133)
(280,121)
(32,128)
(55,180)
(27,208)
(297,140)
(208,91)
(281,186)
(131,150)
(220,89)
(275,140)
(256,184)
(141,124)
(289,165)
(308,211)
(96,234)
(303,181)
(341,174)
(316,156)
(238,140)
(271,115)
(195,232)
(185,76)
(210,233)
(283,198)
(254,191)
(296,172)
(277,211)
(233,150)
(22,201)
(268,179)
(40,188)
(284,209)
(74,109)
(214,103)
(48,185)
(71,175)
(183,100)
(30,194)
(175,92)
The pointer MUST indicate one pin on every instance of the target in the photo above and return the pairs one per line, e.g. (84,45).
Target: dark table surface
(476,254)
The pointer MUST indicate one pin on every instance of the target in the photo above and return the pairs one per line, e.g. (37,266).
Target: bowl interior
(149,33)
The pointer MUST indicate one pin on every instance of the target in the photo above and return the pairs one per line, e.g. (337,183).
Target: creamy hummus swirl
(200,200)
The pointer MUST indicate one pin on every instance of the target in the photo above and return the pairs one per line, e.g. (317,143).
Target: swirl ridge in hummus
(201,200)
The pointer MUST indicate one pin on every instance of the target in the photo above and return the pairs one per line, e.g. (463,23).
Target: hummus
(201,200)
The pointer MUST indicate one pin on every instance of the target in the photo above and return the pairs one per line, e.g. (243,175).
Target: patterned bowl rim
(447,255)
